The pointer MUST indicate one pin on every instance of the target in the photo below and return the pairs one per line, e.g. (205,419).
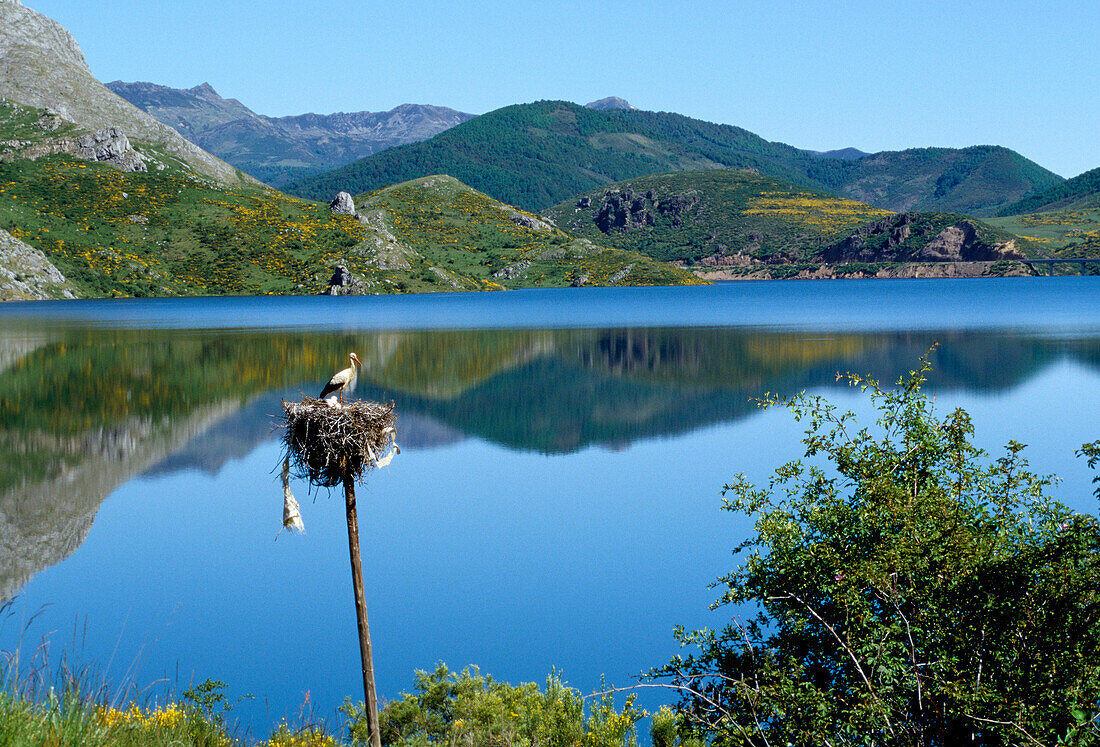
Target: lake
(555,505)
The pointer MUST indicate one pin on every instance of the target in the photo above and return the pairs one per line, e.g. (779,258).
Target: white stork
(342,380)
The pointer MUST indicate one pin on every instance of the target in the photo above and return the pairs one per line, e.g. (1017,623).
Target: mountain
(726,215)
(1082,191)
(42,66)
(537,155)
(278,149)
(188,111)
(436,233)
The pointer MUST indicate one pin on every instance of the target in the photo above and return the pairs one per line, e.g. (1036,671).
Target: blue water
(556,502)
(841,305)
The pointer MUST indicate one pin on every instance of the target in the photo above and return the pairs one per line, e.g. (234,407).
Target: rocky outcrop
(609,103)
(381,249)
(108,146)
(618,276)
(960,243)
(627,210)
(41,65)
(909,237)
(26,274)
(343,283)
(513,271)
(526,220)
(342,204)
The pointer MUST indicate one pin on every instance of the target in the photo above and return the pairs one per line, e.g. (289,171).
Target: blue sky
(873,75)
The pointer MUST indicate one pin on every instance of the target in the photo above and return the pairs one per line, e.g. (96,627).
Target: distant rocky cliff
(611,102)
(917,237)
(278,149)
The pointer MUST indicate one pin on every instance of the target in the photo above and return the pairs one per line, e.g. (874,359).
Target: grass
(1061,233)
(455,238)
(71,717)
(57,707)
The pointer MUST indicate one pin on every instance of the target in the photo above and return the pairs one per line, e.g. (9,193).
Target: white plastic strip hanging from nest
(388,434)
(292,512)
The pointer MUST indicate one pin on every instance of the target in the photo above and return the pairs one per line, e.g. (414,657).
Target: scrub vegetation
(901,587)
(166,234)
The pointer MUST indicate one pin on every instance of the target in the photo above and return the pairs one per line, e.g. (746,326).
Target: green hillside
(166,232)
(687,216)
(154,233)
(1082,191)
(439,234)
(1064,219)
(1060,233)
(537,155)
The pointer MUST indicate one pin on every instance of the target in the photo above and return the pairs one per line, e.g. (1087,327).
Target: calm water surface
(555,504)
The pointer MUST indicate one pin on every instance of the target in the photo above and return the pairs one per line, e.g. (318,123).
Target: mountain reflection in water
(86,410)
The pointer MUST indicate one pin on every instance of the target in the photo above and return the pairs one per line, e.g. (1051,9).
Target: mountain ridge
(1081,191)
(275,149)
(536,155)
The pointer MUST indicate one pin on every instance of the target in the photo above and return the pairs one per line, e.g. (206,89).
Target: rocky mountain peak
(205,89)
(611,102)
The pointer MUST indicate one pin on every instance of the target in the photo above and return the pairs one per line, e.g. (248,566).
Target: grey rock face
(611,102)
(106,146)
(343,283)
(513,271)
(526,221)
(342,204)
(955,243)
(26,274)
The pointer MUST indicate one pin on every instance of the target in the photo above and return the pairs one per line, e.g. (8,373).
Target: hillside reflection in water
(499,537)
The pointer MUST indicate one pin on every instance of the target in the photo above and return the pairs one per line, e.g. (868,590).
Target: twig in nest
(328,444)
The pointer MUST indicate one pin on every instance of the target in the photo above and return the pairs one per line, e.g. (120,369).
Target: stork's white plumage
(341,380)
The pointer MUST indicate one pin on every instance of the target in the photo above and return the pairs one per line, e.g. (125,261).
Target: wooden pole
(361,616)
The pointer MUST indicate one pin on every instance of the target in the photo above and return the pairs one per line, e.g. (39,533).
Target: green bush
(911,591)
(471,709)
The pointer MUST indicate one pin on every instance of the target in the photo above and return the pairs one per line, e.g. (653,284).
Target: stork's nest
(329,443)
